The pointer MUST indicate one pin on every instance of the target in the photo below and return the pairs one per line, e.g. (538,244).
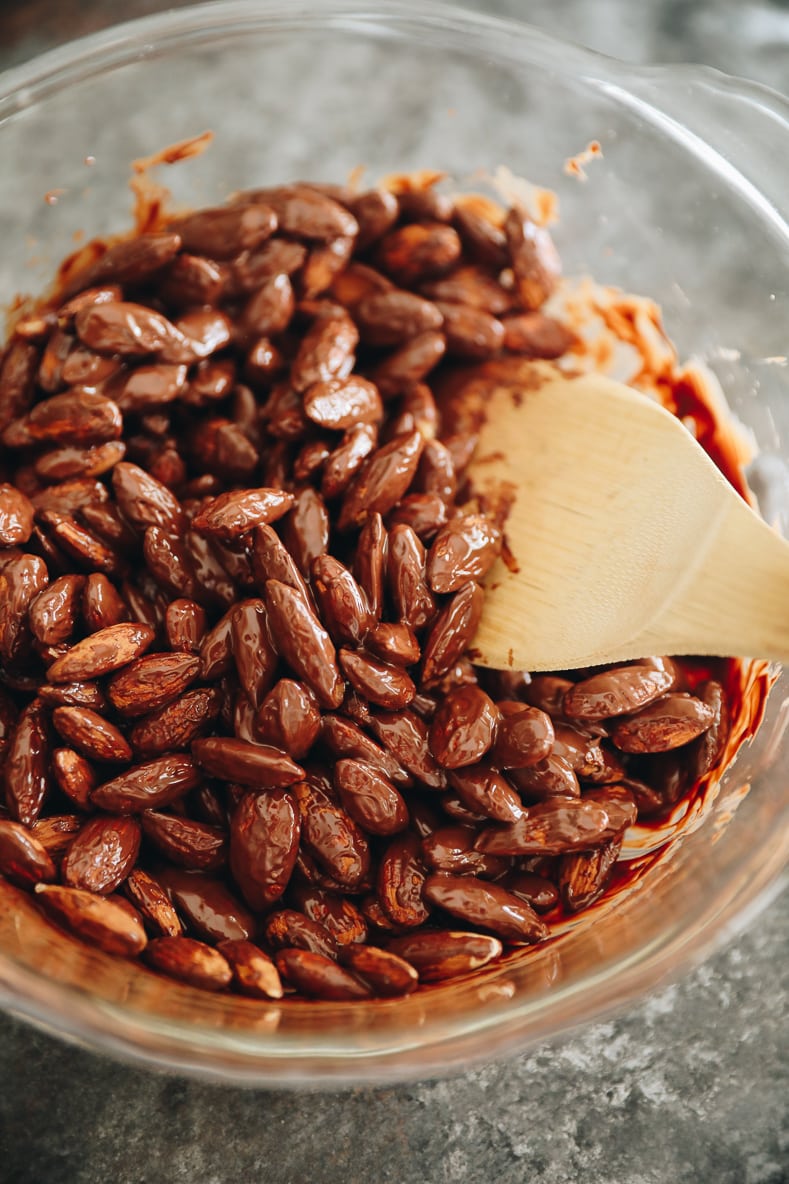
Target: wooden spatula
(629,540)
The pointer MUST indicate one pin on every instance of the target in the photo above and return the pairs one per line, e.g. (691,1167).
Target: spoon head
(614,503)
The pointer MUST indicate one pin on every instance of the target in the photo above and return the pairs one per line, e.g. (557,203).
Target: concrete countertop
(690,1086)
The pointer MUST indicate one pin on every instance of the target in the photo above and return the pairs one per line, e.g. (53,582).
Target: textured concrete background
(692,1087)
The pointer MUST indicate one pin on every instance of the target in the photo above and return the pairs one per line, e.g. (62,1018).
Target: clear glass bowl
(687,206)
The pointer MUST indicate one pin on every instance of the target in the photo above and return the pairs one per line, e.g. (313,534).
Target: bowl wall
(680,208)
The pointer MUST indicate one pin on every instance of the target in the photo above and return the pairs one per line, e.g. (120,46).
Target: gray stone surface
(691,1086)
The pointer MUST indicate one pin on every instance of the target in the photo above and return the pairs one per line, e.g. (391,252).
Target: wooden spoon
(629,540)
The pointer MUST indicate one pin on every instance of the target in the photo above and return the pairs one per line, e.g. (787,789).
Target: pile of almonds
(241,570)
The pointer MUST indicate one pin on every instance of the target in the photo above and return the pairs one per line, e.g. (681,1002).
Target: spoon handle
(735,600)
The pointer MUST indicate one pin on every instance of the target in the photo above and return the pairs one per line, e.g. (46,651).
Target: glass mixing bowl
(688,206)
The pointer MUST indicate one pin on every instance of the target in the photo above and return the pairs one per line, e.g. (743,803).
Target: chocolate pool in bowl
(249,605)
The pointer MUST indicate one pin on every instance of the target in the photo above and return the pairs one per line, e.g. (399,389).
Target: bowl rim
(148,36)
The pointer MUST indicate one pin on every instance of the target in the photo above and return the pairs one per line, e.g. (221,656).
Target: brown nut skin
(405,735)
(386,973)
(101,653)
(173,727)
(318,977)
(91,734)
(54,612)
(425,513)
(153,904)
(535,335)
(264,842)
(345,739)
(226,231)
(255,656)
(326,351)
(540,893)
(208,907)
(533,256)
(185,623)
(370,798)
(425,205)
(259,766)
(451,633)
(375,211)
(289,718)
(191,961)
(547,692)
(236,513)
(56,832)
(370,562)
(464,727)
(125,328)
(66,536)
(394,643)
(127,262)
(16,516)
(401,878)
(442,954)
(581,750)
(150,387)
(342,603)
(26,765)
(464,550)
(470,332)
(471,285)
(342,403)
(75,418)
(382,480)
(22,579)
(552,777)
(620,803)
(665,724)
(481,237)
(304,211)
(485,791)
(147,786)
(617,691)
(450,849)
(330,835)
(525,736)
(144,500)
(710,746)
(109,924)
(251,269)
(254,973)
(436,473)
(149,682)
(23,859)
(289,929)
(272,561)
(417,251)
(394,316)
(304,643)
(186,842)
(550,828)
(413,601)
(584,875)
(345,461)
(102,854)
(102,605)
(379,682)
(17,377)
(338,914)
(486,906)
